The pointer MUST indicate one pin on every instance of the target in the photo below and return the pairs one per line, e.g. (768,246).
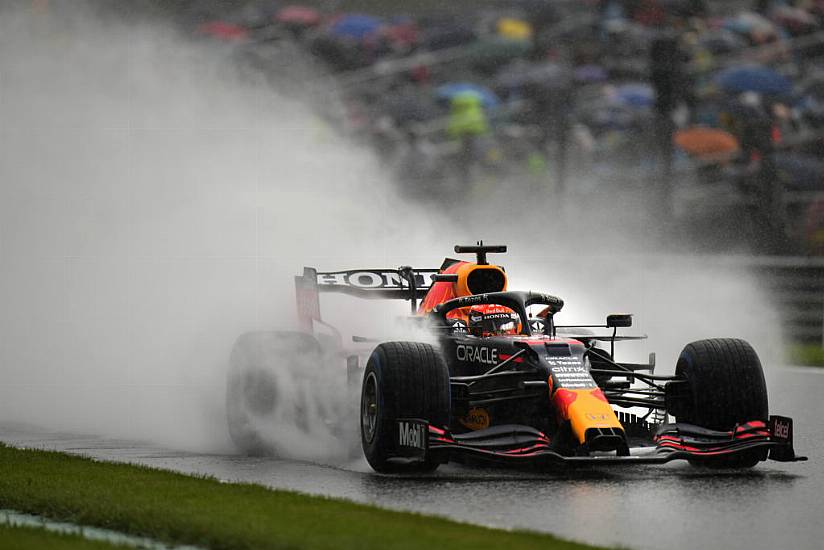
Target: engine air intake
(483,281)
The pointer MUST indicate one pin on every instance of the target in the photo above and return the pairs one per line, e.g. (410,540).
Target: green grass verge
(179,508)
(810,355)
(32,538)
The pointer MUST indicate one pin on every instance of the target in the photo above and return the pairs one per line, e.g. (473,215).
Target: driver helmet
(493,320)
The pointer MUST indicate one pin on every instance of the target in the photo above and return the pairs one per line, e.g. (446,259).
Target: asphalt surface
(775,505)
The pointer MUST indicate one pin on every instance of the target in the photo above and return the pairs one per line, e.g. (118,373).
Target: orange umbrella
(705,142)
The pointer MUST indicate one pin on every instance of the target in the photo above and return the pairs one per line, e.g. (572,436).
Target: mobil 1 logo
(413,437)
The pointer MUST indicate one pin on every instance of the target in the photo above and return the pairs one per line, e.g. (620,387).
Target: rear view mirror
(619,320)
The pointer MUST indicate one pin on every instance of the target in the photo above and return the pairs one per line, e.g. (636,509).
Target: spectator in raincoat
(467,123)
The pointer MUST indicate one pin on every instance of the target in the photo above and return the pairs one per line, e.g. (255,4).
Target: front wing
(516,444)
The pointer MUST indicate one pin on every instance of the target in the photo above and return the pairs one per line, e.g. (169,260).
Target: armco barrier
(797,287)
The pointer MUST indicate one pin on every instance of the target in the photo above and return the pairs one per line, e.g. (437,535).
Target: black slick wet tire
(401,380)
(727,387)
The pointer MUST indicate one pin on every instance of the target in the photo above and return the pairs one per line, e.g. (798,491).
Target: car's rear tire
(726,387)
(252,387)
(401,380)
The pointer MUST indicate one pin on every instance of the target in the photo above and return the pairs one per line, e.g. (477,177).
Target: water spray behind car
(154,207)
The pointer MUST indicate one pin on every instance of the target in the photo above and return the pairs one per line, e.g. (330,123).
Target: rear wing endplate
(403,283)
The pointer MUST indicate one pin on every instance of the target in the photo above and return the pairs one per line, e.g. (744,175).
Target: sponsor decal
(477,354)
(375,278)
(579,385)
(569,369)
(562,361)
(476,419)
(412,434)
(781,428)
(497,316)
(474,299)
(553,300)
(570,373)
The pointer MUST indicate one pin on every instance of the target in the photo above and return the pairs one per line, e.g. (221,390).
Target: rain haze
(154,205)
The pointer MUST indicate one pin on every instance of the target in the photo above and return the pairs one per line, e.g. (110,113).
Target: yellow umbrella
(516,29)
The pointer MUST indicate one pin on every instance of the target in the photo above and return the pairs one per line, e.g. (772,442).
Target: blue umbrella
(753,78)
(635,95)
(355,26)
(448,91)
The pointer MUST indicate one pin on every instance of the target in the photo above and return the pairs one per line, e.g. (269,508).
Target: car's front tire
(726,387)
(401,380)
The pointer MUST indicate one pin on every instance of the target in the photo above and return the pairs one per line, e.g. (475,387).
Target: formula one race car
(502,382)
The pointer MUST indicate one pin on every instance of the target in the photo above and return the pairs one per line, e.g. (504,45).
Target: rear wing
(403,283)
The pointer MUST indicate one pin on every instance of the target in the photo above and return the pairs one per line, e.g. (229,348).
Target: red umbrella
(299,15)
(222,30)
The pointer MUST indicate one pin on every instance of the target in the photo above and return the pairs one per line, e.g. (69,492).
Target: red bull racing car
(501,381)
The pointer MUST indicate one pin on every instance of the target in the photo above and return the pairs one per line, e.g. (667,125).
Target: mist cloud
(154,205)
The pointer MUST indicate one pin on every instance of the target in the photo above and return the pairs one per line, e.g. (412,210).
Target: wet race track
(774,505)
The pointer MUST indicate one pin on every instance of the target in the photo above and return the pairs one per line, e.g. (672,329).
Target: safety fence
(796,285)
